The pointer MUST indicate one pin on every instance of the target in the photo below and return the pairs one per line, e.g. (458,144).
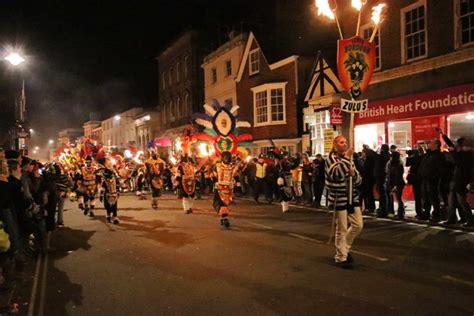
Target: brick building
(181,86)
(271,97)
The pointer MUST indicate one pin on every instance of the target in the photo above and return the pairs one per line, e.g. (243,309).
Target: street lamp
(117,117)
(32,131)
(50,141)
(37,148)
(14,58)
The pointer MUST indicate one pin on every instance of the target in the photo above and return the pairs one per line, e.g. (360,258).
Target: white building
(119,130)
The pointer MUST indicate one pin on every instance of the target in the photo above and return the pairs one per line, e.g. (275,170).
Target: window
(170,77)
(269,104)
(366,33)
(254,62)
(228,68)
(171,112)
(261,107)
(414,31)
(163,81)
(177,71)
(164,113)
(185,104)
(178,107)
(466,21)
(214,75)
(186,66)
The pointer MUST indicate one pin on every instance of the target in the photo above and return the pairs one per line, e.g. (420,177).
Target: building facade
(119,130)
(220,70)
(424,77)
(147,128)
(271,98)
(69,135)
(88,127)
(181,86)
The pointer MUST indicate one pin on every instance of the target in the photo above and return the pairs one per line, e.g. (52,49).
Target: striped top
(337,181)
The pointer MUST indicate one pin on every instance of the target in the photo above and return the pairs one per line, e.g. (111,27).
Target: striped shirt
(337,182)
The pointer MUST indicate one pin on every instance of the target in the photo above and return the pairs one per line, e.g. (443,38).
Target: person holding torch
(339,169)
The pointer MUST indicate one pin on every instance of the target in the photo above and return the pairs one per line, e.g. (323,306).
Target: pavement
(268,263)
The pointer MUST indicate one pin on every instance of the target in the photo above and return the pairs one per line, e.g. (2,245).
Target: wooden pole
(374,32)
(351,145)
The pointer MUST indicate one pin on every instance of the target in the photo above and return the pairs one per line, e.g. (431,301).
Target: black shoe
(109,219)
(91,214)
(189,211)
(86,211)
(225,222)
(350,258)
(344,265)
(400,216)
(116,221)
(435,220)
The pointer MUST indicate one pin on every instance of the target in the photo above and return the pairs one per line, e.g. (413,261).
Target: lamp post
(19,132)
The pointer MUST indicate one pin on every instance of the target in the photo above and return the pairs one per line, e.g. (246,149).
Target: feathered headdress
(221,126)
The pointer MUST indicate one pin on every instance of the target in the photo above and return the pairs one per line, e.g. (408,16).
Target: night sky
(85,56)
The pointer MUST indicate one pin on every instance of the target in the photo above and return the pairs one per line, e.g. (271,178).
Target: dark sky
(88,56)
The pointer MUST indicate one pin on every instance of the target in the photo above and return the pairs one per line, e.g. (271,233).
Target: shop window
(320,123)
(399,134)
(414,31)
(460,125)
(372,135)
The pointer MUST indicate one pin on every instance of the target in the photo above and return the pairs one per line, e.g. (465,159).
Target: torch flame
(324,8)
(377,13)
(358,4)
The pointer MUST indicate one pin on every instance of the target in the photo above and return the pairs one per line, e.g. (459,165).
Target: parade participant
(156,181)
(140,183)
(260,176)
(285,183)
(185,176)
(111,195)
(223,194)
(339,168)
(87,187)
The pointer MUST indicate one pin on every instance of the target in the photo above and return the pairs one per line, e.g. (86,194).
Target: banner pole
(351,145)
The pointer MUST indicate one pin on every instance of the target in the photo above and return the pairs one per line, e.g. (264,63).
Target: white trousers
(187,203)
(284,206)
(345,237)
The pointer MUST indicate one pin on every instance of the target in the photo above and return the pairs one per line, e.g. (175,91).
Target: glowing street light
(117,117)
(14,58)
(32,130)
(37,148)
(50,141)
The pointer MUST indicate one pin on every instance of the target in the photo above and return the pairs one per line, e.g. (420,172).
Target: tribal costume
(186,177)
(111,195)
(156,181)
(223,194)
(87,187)
(140,183)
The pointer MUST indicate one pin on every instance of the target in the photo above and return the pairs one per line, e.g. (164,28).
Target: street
(268,263)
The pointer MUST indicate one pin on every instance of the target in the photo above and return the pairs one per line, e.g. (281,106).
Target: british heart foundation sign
(355,64)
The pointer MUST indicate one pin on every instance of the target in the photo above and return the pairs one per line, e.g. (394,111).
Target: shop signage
(424,129)
(355,64)
(444,101)
(335,114)
(353,106)
(328,139)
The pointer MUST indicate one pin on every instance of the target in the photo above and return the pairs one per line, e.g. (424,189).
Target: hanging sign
(353,106)
(355,64)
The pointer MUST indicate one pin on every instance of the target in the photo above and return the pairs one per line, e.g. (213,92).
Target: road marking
(35,286)
(305,238)
(43,279)
(260,225)
(369,255)
(451,278)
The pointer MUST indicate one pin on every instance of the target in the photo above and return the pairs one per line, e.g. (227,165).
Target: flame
(324,8)
(378,12)
(173,160)
(358,4)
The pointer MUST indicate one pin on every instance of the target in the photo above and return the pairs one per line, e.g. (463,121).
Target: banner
(353,106)
(328,139)
(355,64)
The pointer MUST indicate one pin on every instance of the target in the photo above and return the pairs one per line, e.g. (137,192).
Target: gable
(324,81)
(252,44)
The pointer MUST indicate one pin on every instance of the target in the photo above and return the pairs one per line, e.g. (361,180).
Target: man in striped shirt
(339,169)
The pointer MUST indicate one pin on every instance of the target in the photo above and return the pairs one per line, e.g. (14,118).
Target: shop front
(412,120)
